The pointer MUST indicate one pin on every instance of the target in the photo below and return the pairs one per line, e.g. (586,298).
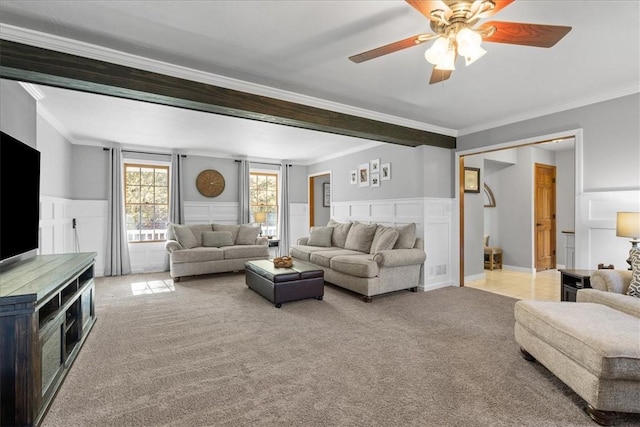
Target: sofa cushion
(198,230)
(303,252)
(355,265)
(247,234)
(245,251)
(634,286)
(340,232)
(384,238)
(197,254)
(232,228)
(600,338)
(323,258)
(320,236)
(407,237)
(360,237)
(185,236)
(217,239)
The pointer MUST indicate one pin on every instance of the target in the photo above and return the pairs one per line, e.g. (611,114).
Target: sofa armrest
(399,257)
(262,240)
(303,240)
(620,302)
(172,246)
(616,281)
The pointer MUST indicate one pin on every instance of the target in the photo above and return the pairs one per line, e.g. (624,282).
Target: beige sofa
(368,259)
(592,345)
(212,248)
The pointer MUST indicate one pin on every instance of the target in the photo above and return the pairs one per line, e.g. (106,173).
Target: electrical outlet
(73,223)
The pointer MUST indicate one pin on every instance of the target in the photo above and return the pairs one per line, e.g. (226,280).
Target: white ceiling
(298,50)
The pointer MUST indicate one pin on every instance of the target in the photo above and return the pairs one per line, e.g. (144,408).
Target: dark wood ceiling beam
(43,66)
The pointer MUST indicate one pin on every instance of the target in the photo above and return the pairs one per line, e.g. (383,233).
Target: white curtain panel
(284,210)
(176,208)
(244,169)
(117,255)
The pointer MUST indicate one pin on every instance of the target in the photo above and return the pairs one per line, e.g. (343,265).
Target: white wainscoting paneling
(57,235)
(595,238)
(210,212)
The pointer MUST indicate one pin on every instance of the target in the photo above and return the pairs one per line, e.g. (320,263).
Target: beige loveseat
(592,345)
(212,248)
(368,259)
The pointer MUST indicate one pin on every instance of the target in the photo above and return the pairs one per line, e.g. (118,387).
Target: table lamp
(628,225)
(260,217)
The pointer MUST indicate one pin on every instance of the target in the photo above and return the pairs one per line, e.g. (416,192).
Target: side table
(571,281)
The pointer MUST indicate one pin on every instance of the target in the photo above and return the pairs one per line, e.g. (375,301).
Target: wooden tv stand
(46,312)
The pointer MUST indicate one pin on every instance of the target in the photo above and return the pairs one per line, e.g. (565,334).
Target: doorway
(319,198)
(572,168)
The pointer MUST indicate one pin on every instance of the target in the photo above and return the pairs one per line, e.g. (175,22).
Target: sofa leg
(414,289)
(278,305)
(366,299)
(176,279)
(604,418)
(526,355)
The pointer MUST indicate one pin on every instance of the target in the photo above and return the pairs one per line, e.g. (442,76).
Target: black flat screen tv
(19,200)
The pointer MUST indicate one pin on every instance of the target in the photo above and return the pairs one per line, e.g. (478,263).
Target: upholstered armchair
(616,281)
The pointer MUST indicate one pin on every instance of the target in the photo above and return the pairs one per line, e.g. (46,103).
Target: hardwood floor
(544,286)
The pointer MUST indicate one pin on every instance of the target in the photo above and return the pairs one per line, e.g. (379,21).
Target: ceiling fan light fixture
(474,55)
(468,42)
(435,54)
(447,62)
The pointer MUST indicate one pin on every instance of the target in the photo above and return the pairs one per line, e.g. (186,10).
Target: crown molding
(55,123)
(601,97)
(79,48)
(33,91)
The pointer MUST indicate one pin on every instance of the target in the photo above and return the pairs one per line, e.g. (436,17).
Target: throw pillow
(407,237)
(320,236)
(185,236)
(247,235)
(634,287)
(217,239)
(384,239)
(360,237)
(232,228)
(340,232)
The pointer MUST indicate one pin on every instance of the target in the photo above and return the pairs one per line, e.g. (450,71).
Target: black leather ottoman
(280,285)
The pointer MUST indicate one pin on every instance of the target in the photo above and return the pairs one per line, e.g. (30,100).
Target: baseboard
(434,286)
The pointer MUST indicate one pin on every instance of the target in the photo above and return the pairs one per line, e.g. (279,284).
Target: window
(263,192)
(146,189)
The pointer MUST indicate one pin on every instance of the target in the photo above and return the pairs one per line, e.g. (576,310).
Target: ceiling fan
(453,25)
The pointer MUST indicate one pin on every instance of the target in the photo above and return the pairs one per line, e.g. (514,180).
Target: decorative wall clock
(210,183)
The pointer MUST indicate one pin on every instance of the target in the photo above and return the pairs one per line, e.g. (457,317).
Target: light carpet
(215,353)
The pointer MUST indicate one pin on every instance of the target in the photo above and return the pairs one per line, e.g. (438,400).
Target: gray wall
(56,161)
(89,173)
(18,113)
(611,140)
(415,172)
(565,200)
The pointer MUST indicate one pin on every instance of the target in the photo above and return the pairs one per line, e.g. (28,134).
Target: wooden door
(545,216)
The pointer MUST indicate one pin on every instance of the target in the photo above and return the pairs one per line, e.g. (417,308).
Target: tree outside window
(263,190)
(146,202)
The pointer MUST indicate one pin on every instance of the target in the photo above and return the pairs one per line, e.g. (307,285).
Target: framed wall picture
(326,194)
(375,180)
(471,180)
(353,177)
(363,175)
(385,172)
(375,166)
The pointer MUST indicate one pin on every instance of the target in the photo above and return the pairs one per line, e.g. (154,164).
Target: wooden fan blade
(392,47)
(524,34)
(426,6)
(500,4)
(438,76)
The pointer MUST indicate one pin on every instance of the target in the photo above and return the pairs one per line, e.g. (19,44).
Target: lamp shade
(628,224)
(260,217)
